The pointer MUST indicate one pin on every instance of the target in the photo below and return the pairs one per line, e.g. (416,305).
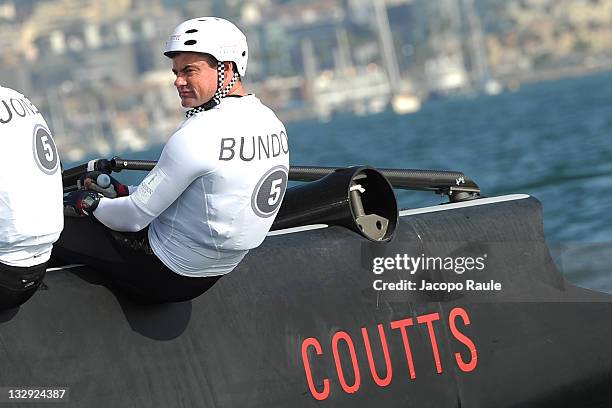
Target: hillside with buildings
(96,70)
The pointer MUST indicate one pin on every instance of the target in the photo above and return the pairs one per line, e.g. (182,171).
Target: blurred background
(515,93)
(96,68)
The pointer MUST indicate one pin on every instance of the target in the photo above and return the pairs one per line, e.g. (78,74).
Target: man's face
(196,81)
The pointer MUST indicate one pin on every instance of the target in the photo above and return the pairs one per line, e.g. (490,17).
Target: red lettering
(402,324)
(429,319)
(382,382)
(457,316)
(459,312)
(312,342)
(349,342)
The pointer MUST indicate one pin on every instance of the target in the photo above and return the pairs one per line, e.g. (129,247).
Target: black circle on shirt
(269,193)
(45,151)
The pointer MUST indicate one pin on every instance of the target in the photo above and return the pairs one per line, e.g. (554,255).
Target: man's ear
(229,65)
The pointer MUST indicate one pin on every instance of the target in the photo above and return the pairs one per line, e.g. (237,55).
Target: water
(552,140)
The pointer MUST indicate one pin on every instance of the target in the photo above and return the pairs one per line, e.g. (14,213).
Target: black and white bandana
(221,92)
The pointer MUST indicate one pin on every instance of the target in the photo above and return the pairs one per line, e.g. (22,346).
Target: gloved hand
(81,203)
(89,181)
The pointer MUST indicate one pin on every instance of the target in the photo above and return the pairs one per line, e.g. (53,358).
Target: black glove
(89,181)
(81,203)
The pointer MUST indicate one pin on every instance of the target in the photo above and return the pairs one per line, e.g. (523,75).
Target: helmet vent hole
(190,42)
(243,53)
(202,20)
(193,30)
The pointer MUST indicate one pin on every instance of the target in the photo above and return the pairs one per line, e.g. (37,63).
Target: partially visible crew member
(217,186)
(31,212)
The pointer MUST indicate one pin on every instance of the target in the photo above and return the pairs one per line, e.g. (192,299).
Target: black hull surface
(298,323)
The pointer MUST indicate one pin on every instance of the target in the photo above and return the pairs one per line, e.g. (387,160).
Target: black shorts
(18,284)
(144,277)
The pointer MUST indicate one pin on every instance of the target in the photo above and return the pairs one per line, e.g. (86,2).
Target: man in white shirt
(219,181)
(31,220)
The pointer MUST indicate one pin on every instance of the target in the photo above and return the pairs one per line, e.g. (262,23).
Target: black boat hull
(299,323)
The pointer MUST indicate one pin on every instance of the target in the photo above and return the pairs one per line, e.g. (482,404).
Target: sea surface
(551,140)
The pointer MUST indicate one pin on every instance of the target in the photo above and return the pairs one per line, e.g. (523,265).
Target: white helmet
(210,35)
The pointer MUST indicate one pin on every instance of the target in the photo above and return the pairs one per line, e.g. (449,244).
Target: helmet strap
(220,92)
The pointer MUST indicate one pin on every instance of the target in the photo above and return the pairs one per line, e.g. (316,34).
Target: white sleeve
(180,163)
(121,214)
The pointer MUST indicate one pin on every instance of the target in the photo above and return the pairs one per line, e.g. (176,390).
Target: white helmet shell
(210,35)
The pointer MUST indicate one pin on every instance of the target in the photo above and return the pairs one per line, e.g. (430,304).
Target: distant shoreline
(554,74)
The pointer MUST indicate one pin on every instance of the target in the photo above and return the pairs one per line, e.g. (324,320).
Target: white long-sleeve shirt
(31,209)
(214,192)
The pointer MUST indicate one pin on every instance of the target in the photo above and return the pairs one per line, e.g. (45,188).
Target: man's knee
(18,284)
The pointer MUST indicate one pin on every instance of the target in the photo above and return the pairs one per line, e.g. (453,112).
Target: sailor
(31,219)
(217,186)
